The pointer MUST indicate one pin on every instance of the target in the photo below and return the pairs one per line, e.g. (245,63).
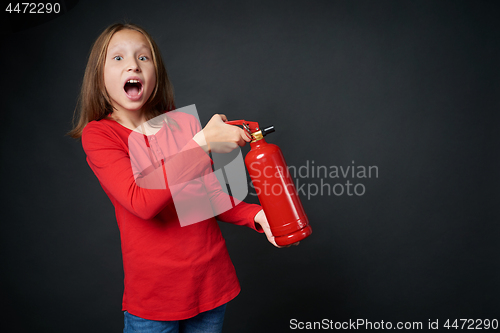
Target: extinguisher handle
(249,126)
(235,122)
(242,123)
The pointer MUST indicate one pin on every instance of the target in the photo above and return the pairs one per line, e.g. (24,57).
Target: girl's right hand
(220,137)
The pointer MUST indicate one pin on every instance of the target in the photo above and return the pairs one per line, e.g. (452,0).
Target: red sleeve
(242,214)
(227,208)
(232,210)
(109,158)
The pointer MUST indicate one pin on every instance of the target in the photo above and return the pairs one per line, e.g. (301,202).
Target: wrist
(200,139)
(257,216)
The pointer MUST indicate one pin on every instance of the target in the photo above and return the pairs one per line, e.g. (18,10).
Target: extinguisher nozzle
(267,130)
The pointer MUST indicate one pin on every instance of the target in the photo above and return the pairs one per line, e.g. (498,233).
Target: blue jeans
(206,322)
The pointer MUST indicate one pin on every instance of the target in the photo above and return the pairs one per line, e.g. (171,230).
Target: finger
(272,240)
(241,141)
(269,234)
(227,147)
(244,134)
(223,117)
(217,119)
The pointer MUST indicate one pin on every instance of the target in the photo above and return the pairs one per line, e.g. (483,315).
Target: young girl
(177,278)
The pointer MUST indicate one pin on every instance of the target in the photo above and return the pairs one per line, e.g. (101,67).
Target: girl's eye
(143,58)
(118,58)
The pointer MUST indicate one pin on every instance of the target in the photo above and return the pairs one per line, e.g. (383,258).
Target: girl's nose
(133,66)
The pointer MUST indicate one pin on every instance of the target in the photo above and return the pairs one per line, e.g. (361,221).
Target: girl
(177,279)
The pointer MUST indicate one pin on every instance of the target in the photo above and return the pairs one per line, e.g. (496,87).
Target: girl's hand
(219,137)
(261,219)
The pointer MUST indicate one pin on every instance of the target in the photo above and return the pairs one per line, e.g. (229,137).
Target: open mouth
(133,88)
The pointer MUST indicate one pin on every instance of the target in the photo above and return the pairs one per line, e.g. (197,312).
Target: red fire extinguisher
(274,186)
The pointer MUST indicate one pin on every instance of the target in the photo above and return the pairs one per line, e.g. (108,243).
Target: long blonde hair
(94,102)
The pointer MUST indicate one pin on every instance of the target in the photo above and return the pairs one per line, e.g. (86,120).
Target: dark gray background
(408,86)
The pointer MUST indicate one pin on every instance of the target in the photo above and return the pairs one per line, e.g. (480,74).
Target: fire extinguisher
(274,186)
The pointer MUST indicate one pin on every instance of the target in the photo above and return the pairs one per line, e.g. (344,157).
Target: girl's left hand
(261,219)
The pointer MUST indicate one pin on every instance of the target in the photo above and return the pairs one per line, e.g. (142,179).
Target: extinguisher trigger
(247,128)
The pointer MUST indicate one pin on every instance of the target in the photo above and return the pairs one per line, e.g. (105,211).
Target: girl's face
(129,71)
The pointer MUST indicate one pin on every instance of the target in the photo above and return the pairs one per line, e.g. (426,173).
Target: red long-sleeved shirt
(171,272)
